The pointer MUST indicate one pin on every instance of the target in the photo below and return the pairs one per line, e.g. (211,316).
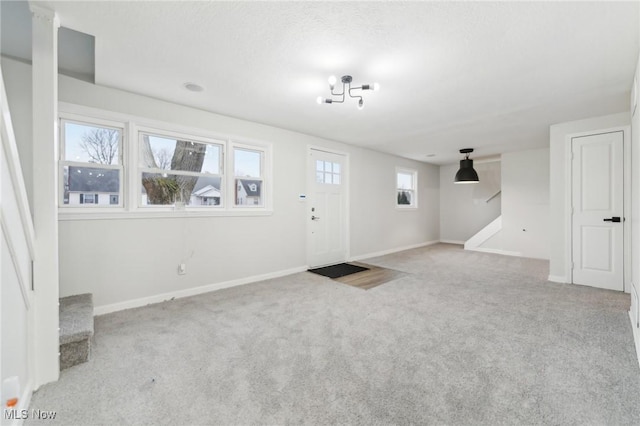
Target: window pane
(248,192)
(90,185)
(247,163)
(405,198)
(336,167)
(165,189)
(336,179)
(319,177)
(319,165)
(174,154)
(327,166)
(91,144)
(405,181)
(328,178)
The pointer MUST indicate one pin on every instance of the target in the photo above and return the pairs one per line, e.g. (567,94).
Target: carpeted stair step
(76,329)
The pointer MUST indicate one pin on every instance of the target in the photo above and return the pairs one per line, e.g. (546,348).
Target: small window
(90,163)
(248,166)
(327,172)
(406,188)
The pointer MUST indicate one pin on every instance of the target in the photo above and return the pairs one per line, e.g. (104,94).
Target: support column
(45,194)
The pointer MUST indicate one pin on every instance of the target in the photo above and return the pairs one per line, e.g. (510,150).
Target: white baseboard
(452,242)
(143,301)
(496,251)
(636,337)
(394,250)
(558,279)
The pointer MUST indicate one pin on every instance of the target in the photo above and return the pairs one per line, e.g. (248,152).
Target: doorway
(598,210)
(327,231)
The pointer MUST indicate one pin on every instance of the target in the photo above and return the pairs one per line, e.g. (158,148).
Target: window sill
(165,214)
(407,208)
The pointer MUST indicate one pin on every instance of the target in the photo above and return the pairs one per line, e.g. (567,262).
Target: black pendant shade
(466,174)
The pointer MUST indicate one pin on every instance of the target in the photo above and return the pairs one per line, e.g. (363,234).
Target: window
(90,163)
(248,174)
(179,170)
(327,172)
(406,188)
(161,170)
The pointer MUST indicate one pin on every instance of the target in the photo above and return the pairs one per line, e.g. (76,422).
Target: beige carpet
(462,338)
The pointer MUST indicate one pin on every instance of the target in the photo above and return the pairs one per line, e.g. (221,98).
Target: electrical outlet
(182,269)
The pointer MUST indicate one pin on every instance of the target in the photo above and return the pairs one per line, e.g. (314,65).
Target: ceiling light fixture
(466,174)
(346,88)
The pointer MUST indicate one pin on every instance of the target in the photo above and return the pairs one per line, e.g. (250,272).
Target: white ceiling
(490,76)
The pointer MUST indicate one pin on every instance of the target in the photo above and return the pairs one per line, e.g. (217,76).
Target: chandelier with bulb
(339,98)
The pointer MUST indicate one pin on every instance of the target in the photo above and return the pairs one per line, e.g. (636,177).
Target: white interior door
(326,212)
(598,217)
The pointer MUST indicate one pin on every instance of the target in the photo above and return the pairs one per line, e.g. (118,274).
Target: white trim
(484,234)
(461,243)
(143,301)
(636,336)
(15,170)
(496,251)
(414,189)
(166,213)
(393,250)
(568,153)
(22,281)
(558,279)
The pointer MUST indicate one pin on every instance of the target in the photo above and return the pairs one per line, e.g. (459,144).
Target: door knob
(315,218)
(612,219)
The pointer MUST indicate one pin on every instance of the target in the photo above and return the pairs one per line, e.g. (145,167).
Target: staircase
(76,329)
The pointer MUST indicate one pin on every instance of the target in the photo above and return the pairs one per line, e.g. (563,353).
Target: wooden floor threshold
(370,278)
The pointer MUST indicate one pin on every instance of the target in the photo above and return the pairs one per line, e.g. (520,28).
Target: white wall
(525,205)
(464,209)
(559,169)
(374,216)
(123,259)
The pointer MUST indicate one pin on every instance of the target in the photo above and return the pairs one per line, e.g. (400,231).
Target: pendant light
(466,174)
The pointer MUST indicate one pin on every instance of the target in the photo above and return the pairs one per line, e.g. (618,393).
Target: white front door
(326,208)
(598,217)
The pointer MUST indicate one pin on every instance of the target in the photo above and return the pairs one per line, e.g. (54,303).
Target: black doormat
(339,270)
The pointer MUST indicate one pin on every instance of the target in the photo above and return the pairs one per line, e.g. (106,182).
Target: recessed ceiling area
(487,75)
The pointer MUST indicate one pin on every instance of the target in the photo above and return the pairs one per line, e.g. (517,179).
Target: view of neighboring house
(84,185)
(248,192)
(206,196)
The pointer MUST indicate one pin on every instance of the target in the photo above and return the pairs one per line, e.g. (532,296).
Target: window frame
(128,200)
(413,190)
(233,146)
(90,121)
(141,130)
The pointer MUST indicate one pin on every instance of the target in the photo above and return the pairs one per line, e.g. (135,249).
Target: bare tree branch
(101,145)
